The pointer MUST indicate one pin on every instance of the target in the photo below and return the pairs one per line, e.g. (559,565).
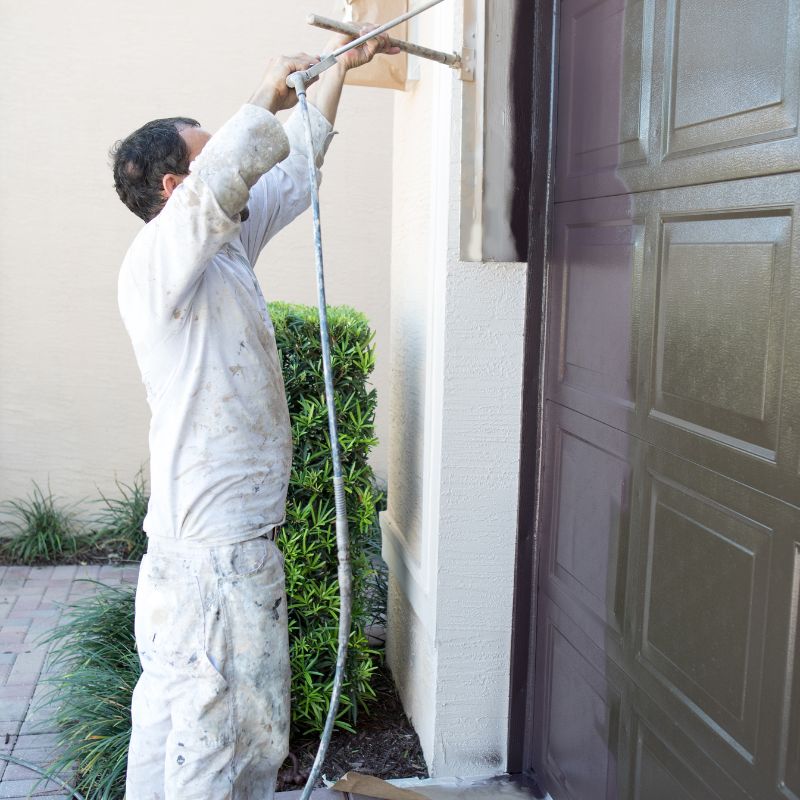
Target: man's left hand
(364,53)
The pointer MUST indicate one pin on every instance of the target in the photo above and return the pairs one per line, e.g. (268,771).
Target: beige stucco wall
(457,354)
(74,77)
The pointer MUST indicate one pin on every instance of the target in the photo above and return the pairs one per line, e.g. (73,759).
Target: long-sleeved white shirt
(220,438)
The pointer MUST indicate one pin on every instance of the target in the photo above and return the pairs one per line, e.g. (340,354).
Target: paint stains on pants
(210,712)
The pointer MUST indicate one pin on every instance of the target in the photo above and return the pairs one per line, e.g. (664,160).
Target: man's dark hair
(141,160)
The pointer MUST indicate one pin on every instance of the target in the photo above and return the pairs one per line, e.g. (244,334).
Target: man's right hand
(273,93)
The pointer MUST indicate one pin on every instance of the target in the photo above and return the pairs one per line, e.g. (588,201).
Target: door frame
(543,76)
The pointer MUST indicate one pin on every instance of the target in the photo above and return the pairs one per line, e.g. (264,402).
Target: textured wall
(75,78)
(477,513)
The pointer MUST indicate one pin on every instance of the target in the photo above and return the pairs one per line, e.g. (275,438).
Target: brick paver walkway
(31,603)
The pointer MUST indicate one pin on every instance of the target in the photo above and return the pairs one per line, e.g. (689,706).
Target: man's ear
(169,182)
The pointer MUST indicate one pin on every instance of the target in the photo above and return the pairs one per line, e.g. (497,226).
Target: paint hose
(342,532)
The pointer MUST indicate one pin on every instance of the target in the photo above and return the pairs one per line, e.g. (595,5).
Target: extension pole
(308,76)
(448,59)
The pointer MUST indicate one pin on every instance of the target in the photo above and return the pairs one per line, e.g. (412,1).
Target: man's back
(220,439)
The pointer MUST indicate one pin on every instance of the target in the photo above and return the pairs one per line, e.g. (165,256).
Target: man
(210,713)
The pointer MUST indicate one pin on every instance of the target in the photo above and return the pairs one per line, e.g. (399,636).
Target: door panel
(719,328)
(662,93)
(578,725)
(660,774)
(719,331)
(664,758)
(589,485)
(690,611)
(704,582)
(594,300)
(714,612)
(722,91)
(604,101)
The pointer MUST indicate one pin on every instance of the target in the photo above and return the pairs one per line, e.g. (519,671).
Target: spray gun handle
(310,75)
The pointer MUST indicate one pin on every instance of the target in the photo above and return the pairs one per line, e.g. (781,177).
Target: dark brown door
(667,662)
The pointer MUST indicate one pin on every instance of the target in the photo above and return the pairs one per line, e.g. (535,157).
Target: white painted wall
(76,77)
(457,334)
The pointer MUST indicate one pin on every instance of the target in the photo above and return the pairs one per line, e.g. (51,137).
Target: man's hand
(325,94)
(273,93)
(364,53)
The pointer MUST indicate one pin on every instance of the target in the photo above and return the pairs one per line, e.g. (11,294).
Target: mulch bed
(385,745)
(86,554)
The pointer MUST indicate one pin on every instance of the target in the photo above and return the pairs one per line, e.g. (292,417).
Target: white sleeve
(167,259)
(249,144)
(283,193)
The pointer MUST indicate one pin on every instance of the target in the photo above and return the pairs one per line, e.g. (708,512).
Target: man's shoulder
(140,241)
(135,262)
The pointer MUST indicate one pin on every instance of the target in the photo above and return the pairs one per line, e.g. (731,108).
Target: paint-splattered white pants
(211,709)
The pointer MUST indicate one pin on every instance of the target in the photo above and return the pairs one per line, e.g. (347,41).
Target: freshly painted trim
(524,618)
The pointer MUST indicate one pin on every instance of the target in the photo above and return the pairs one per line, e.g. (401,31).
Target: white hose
(342,533)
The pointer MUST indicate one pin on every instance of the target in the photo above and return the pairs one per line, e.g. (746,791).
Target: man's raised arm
(200,211)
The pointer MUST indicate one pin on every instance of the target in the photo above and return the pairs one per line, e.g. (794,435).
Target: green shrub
(95,647)
(95,669)
(41,529)
(118,525)
(308,538)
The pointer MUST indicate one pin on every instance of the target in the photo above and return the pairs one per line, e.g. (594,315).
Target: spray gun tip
(293,79)
(299,80)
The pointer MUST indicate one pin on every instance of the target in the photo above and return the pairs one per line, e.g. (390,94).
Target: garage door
(667,654)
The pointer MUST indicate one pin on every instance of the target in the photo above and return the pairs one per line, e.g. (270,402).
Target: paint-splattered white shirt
(220,440)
